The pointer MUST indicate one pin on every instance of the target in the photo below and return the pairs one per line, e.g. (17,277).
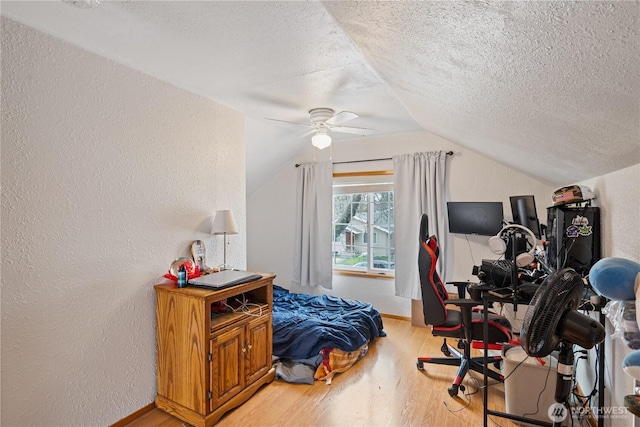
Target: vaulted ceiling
(551,88)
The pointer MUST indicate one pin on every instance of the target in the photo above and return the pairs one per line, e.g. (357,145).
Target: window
(363,229)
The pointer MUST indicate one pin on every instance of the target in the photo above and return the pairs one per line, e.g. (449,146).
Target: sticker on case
(579,227)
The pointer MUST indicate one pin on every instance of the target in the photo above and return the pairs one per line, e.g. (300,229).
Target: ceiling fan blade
(356,131)
(341,117)
(311,132)
(292,123)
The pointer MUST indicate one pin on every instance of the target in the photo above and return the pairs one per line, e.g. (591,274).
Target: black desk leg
(601,377)
(485,360)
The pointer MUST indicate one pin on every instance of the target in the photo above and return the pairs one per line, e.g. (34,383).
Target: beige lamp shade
(224,223)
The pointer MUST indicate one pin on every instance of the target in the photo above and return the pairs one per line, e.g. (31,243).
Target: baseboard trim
(394,316)
(140,412)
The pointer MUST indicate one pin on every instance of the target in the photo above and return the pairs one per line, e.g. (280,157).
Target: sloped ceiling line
(555,83)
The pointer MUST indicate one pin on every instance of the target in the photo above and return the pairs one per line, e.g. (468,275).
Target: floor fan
(553,322)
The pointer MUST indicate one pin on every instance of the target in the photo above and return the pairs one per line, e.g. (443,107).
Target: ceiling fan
(323,120)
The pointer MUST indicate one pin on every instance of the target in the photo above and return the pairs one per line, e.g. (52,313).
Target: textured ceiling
(552,88)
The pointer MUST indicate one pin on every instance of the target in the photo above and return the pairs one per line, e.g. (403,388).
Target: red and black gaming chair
(464,325)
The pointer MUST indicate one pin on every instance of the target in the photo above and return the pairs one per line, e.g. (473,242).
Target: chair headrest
(424,228)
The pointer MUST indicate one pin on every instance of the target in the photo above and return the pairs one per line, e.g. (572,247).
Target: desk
(488,298)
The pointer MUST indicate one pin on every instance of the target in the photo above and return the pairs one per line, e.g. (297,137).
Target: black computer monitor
(524,213)
(483,218)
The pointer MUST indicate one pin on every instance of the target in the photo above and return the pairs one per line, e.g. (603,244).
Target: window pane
(355,217)
(383,227)
(382,259)
(350,229)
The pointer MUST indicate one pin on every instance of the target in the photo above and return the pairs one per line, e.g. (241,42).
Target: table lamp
(224,223)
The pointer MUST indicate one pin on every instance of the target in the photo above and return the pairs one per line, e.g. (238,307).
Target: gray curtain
(313,244)
(419,187)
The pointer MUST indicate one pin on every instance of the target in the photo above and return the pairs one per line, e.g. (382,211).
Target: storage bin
(529,387)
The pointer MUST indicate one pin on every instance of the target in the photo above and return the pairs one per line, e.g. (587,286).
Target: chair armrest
(463,303)
(462,288)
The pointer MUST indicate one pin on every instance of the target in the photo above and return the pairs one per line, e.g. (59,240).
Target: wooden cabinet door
(227,365)
(182,350)
(259,345)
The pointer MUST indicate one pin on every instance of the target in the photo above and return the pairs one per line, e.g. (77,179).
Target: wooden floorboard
(383,389)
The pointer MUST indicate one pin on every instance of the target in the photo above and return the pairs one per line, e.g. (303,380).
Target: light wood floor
(383,389)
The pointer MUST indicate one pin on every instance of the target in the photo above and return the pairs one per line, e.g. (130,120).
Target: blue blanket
(304,324)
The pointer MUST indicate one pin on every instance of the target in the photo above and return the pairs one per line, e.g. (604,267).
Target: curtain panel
(312,264)
(419,187)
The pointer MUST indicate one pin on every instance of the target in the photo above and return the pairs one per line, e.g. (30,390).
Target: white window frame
(364,182)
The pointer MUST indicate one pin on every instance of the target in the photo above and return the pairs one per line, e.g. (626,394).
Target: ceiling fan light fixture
(321,140)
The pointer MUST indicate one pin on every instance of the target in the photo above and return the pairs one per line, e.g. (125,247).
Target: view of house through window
(363,230)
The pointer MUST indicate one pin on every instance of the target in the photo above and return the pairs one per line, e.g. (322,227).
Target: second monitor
(523,209)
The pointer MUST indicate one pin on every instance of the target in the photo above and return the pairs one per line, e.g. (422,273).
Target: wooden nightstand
(209,365)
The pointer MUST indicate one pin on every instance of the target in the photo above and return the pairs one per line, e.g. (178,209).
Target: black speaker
(574,237)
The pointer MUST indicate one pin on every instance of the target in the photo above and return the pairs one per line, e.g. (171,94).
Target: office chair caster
(453,390)
(420,366)
(444,348)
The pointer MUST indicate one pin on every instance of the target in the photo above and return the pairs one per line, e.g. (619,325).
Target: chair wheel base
(444,348)
(453,390)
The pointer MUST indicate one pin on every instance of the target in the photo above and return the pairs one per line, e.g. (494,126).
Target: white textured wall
(107,176)
(473,177)
(618,196)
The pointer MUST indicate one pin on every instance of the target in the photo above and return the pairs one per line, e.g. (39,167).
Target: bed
(317,336)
